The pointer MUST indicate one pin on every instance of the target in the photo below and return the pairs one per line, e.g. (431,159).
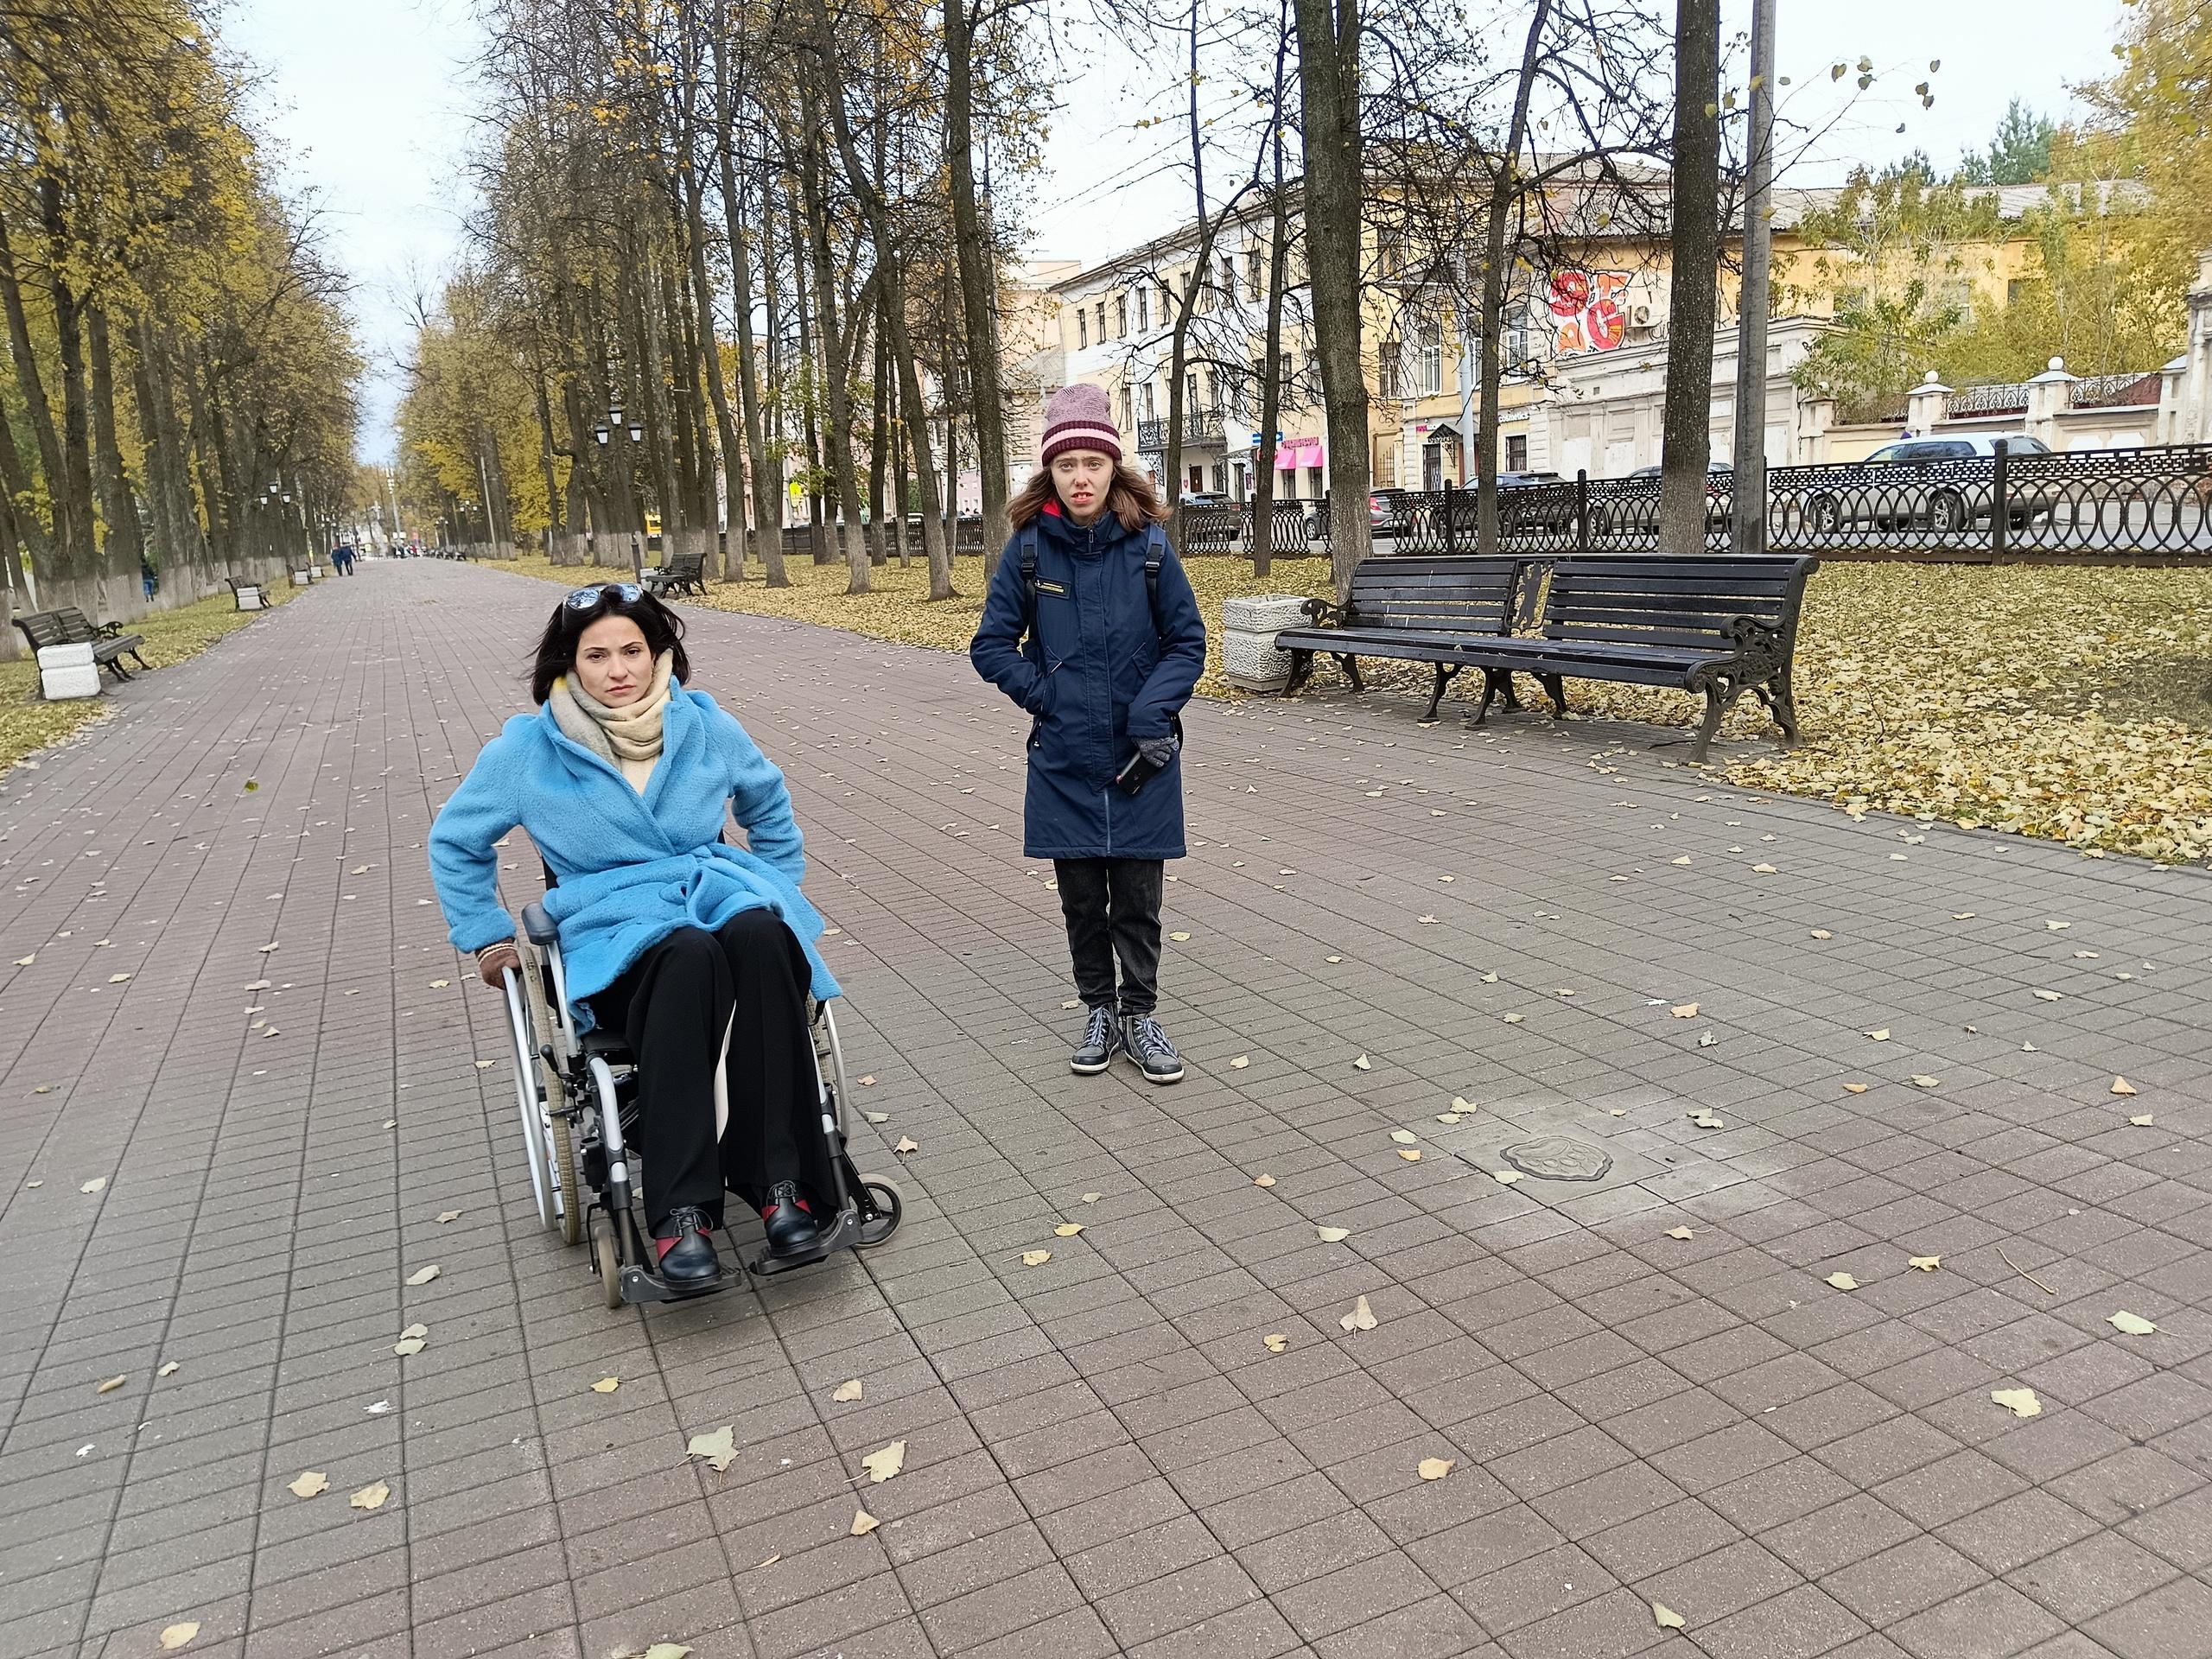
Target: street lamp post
(605,434)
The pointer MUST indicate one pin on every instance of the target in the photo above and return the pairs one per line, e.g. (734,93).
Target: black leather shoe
(792,1226)
(686,1244)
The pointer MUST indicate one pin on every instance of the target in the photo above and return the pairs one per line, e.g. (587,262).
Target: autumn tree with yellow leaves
(183,390)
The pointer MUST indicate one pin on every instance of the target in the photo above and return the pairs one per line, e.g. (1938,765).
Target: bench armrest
(109,630)
(1326,613)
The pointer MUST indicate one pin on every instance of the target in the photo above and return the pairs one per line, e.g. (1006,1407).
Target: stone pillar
(2049,394)
(1928,406)
(2193,415)
(1815,416)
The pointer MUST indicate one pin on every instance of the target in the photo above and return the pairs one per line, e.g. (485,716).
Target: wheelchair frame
(571,1091)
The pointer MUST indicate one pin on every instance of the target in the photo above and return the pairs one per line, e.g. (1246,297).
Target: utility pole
(1747,515)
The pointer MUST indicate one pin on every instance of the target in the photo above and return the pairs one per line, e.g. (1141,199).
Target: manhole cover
(1556,1158)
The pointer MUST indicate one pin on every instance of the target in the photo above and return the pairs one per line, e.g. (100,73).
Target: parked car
(1205,498)
(1638,513)
(1386,514)
(1947,484)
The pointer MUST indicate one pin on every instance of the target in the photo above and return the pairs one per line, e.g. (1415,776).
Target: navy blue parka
(1098,675)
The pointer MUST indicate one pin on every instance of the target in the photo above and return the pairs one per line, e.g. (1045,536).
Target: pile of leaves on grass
(2070,704)
(28,724)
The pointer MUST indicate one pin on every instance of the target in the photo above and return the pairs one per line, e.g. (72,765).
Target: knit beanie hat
(1077,417)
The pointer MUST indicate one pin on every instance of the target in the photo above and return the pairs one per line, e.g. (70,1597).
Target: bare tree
(1686,421)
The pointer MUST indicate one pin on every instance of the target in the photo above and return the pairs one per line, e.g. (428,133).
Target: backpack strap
(1155,553)
(1026,551)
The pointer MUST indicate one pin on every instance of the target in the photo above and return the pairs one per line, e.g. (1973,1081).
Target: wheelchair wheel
(560,1147)
(882,1207)
(606,1260)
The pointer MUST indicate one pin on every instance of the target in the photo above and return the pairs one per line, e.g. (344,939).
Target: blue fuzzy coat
(1098,675)
(632,868)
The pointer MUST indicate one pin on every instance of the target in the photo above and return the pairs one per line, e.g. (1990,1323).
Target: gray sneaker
(1102,1039)
(1143,1041)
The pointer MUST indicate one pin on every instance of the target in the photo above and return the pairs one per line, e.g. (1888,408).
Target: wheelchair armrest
(539,926)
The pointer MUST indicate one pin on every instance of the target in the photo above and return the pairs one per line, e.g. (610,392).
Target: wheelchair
(577,1093)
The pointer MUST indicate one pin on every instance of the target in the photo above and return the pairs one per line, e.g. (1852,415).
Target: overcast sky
(368,103)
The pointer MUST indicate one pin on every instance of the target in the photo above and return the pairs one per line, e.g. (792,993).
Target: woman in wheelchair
(700,954)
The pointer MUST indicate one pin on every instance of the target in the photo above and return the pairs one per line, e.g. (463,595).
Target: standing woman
(701,953)
(1091,627)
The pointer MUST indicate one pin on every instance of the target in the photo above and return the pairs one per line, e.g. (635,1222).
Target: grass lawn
(2072,705)
(28,724)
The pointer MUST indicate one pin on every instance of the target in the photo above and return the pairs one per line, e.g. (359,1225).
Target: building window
(1166,303)
(1101,322)
(1229,277)
(1389,370)
(1517,452)
(1254,283)
(1144,310)
(1128,410)
(1121,316)
(1432,362)
(1145,404)
(1082,329)
(1190,393)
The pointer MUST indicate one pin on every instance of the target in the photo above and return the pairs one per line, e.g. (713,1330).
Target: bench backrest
(1683,602)
(43,628)
(687,564)
(77,628)
(1453,595)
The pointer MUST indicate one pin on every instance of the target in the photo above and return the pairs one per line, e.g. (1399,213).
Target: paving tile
(1102,1456)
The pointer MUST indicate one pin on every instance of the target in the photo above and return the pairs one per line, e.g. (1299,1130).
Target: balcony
(1200,426)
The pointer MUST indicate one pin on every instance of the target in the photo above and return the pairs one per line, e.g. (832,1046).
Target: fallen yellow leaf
(1240,1062)
(1068,1229)
(312,1483)
(1436,1468)
(717,1448)
(1362,1317)
(1035,1258)
(370,1497)
(113,1384)
(1505,1177)
(2122,1086)
(607,1385)
(905,1145)
(1334,1235)
(1179,937)
(1666,1617)
(1263,1181)
(1925,1263)
(2141,1121)
(846,1392)
(1276,1343)
(1843,1282)
(881,1465)
(863,1523)
(2133,1325)
(2021,1402)
(1679,1232)
(1684,1011)
(176,1635)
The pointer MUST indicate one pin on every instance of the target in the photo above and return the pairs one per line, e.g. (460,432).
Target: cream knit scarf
(626,738)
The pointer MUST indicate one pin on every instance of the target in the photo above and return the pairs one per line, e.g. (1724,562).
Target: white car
(1946,484)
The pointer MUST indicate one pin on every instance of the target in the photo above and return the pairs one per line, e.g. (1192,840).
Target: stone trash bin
(1248,626)
(66,671)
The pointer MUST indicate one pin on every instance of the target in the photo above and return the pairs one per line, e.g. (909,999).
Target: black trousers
(1112,907)
(672,1005)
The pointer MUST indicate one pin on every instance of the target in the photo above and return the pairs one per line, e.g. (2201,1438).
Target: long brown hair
(1130,498)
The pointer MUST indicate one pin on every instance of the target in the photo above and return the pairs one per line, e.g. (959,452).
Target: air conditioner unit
(1639,316)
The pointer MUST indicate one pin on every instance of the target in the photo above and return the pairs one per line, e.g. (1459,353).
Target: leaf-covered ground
(2071,705)
(28,724)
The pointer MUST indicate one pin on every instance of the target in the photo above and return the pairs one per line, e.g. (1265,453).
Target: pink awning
(1293,452)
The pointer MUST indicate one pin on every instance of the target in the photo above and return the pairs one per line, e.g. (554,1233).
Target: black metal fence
(2153,503)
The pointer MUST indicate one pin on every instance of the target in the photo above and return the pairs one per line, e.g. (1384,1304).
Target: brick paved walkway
(1104,1455)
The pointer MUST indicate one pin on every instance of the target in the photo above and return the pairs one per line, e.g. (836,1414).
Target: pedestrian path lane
(1742,1053)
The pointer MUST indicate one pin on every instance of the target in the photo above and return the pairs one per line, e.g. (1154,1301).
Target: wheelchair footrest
(639,1286)
(827,1243)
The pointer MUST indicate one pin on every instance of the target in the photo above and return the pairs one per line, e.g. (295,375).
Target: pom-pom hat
(1077,417)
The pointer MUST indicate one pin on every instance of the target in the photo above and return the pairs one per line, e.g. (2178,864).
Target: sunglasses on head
(584,598)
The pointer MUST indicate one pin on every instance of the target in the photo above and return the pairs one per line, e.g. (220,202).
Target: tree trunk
(124,555)
(1685,442)
(76,479)
(766,487)
(879,424)
(1263,476)
(31,384)
(836,337)
(891,275)
(978,283)
(546,445)
(1492,321)
(1328,70)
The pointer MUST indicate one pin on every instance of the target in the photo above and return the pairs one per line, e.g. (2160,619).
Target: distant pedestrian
(1091,627)
(342,556)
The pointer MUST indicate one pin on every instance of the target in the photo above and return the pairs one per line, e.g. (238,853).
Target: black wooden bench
(684,572)
(1422,610)
(1721,626)
(240,591)
(70,627)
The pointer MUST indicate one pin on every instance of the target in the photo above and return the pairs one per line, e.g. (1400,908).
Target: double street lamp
(603,434)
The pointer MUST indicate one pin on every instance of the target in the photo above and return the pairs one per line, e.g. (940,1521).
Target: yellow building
(1581,340)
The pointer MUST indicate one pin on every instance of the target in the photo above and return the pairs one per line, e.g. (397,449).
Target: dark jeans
(672,1005)
(1112,906)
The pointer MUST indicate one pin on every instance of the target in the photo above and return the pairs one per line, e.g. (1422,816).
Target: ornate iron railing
(2094,504)
(1199,426)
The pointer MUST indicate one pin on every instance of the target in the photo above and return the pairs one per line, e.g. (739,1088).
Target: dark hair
(1130,498)
(557,650)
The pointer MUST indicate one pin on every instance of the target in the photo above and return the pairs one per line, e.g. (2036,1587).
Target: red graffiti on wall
(1590,316)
